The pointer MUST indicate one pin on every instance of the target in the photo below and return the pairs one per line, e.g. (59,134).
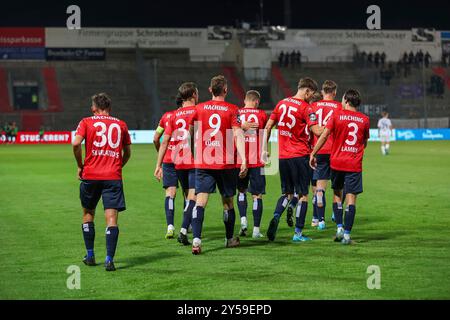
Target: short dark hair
(187,90)
(353,97)
(253,95)
(317,96)
(178,100)
(101,101)
(218,84)
(329,86)
(308,83)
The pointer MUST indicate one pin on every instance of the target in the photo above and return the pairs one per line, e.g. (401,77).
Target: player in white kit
(384,132)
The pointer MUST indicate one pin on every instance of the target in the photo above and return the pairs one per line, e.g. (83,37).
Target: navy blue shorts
(254,181)
(286,179)
(111,192)
(170,178)
(295,175)
(350,182)
(186,178)
(323,170)
(207,179)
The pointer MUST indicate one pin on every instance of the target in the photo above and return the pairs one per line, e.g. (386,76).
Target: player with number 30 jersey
(107,144)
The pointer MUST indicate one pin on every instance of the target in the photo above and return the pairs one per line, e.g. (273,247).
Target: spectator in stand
(41,134)
(398,66)
(370,59)
(14,131)
(7,130)
(292,59)
(377,59)
(427,59)
(364,58)
(382,59)
(410,58)
(286,60)
(298,58)
(280,59)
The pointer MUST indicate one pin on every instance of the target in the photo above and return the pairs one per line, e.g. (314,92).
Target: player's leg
(353,187)
(383,143)
(113,203)
(227,183)
(387,143)
(170,184)
(257,189)
(112,236)
(315,218)
(205,183)
(323,175)
(337,184)
(302,182)
(188,184)
(90,193)
(242,202)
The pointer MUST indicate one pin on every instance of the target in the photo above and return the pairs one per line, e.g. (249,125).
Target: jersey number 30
(109,134)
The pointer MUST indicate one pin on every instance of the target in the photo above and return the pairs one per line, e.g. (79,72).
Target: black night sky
(310,14)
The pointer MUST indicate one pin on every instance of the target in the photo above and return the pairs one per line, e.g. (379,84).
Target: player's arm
(249,125)
(158,133)
(265,141)
(316,130)
(78,153)
(322,139)
(240,146)
(126,154)
(161,153)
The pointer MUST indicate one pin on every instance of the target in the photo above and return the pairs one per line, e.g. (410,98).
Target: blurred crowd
(292,59)
(9,132)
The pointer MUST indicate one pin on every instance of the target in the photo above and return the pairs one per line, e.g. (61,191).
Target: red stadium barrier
(276,72)
(236,87)
(5,105)
(51,83)
(51,137)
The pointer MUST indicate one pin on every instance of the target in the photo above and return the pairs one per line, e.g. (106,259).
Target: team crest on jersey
(238,119)
(312,117)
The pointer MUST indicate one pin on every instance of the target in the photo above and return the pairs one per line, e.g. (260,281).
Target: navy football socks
(281,206)
(293,203)
(198,213)
(89,237)
(337,209)
(300,216)
(169,205)
(112,235)
(315,215)
(350,212)
(187,214)
(229,219)
(242,204)
(257,212)
(321,210)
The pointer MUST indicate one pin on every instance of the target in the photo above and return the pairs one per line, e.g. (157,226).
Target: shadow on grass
(142,260)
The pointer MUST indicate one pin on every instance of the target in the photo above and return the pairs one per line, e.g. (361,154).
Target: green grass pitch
(402,226)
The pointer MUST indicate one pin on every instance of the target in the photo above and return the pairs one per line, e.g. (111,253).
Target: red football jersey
(105,138)
(163,123)
(324,110)
(253,138)
(350,130)
(214,140)
(178,129)
(294,118)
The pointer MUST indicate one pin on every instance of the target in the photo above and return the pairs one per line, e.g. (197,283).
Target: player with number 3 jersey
(107,144)
(350,131)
